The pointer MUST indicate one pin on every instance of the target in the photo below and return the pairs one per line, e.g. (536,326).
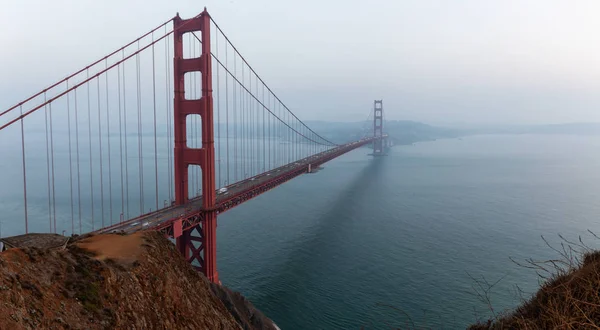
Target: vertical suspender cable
(256,153)
(168,115)
(263,131)
(242,129)
(139,115)
(292,139)
(277,137)
(249,126)
(101,156)
(260,127)
(90,147)
(218,144)
(285,137)
(169,101)
(251,122)
(255,121)
(282,133)
(198,91)
(78,171)
(256,118)
(247,148)
(227,113)
(24,171)
(256,130)
(235,123)
(191,88)
(288,148)
(52,158)
(195,139)
(154,109)
(126,146)
(247,134)
(269,131)
(277,141)
(198,137)
(48,164)
(248,121)
(120,141)
(110,199)
(284,149)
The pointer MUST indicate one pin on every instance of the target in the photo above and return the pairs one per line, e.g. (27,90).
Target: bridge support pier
(194,246)
(198,243)
(209,231)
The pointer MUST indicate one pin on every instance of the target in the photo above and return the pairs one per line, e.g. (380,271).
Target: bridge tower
(198,243)
(378,144)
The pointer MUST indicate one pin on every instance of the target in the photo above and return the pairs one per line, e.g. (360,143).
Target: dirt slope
(137,281)
(570,300)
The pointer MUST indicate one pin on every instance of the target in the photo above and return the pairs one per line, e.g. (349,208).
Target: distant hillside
(568,128)
(400,131)
(407,132)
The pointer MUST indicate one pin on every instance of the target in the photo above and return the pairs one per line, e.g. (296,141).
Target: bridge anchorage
(227,138)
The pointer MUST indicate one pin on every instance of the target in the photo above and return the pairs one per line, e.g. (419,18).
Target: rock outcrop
(136,281)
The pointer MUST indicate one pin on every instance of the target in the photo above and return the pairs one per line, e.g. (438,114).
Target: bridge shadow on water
(298,281)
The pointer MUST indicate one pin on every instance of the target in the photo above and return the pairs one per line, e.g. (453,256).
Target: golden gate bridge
(163,134)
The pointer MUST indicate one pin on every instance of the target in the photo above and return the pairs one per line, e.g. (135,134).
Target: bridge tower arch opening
(198,243)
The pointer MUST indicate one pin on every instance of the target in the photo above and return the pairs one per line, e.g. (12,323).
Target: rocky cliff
(134,281)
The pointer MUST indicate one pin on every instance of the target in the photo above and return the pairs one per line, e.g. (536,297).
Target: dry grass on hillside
(568,299)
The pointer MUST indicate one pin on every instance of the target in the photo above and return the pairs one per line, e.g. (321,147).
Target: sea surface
(404,240)
(397,241)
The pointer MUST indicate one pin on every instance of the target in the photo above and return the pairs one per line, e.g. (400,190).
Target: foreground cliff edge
(568,299)
(136,281)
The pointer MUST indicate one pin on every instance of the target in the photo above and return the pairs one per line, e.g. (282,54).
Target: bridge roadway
(235,193)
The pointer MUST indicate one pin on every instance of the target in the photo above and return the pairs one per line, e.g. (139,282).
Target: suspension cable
(84,69)
(262,81)
(328,143)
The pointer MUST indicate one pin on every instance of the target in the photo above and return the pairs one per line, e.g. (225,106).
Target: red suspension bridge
(162,134)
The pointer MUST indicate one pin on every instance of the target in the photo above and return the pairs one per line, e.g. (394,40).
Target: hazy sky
(437,61)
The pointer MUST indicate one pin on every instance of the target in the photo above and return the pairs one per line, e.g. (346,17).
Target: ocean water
(367,242)
(396,241)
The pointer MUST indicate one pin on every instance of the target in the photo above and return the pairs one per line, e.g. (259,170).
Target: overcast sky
(436,61)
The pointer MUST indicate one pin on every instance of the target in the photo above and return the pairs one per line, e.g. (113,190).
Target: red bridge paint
(191,221)
(176,220)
